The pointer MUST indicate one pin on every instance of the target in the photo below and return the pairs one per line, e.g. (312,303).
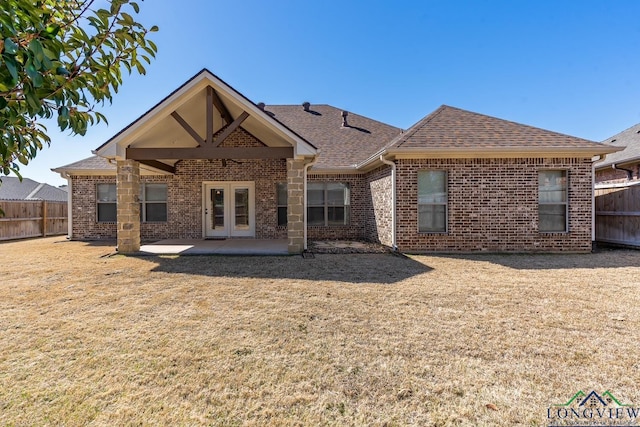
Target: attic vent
(614,140)
(638,131)
(344,119)
(305,106)
(261,105)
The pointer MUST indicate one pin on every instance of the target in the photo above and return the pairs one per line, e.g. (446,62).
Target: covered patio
(216,247)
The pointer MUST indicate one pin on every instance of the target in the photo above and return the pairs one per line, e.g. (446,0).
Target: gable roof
(187,97)
(12,189)
(629,142)
(338,146)
(455,130)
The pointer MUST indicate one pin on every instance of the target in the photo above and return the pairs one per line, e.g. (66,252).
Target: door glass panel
(217,208)
(241,196)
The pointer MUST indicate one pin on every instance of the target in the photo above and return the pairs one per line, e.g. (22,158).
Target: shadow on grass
(352,268)
(604,258)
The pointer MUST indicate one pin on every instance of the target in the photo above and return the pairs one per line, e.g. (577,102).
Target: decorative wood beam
(209,138)
(159,165)
(229,129)
(220,105)
(187,127)
(209,152)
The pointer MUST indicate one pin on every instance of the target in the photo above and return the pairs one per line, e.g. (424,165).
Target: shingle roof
(630,140)
(339,147)
(453,128)
(90,163)
(12,189)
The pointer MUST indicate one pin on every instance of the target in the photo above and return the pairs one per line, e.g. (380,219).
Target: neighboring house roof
(450,128)
(12,188)
(629,141)
(338,146)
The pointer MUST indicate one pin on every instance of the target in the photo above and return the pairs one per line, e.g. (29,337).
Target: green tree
(62,59)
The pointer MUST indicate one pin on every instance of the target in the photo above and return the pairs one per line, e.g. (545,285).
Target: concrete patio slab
(216,247)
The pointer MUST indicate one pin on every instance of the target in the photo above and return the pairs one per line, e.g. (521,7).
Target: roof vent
(261,105)
(344,119)
(614,140)
(305,106)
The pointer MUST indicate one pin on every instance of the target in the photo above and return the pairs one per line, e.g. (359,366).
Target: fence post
(44,218)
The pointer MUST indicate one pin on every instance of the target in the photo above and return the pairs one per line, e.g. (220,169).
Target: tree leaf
(10,46)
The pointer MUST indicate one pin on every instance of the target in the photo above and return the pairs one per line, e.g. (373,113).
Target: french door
(229,209)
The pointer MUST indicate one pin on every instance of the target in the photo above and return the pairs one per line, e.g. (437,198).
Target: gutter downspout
(69,205)
(628,171)
(304,198)
(593,200)
(393,200)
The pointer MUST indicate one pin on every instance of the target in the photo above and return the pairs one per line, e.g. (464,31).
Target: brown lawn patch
(369,339)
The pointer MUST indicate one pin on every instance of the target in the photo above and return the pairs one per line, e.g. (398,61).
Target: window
(153,202)
(328,203)
(552,201)
(432,201)
(282,203)
(106,202)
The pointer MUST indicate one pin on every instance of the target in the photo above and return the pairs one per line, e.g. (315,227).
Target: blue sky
(568,66)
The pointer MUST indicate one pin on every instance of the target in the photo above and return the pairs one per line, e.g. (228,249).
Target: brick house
(206,162)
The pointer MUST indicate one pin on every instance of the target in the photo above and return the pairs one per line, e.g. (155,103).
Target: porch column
(295,208)
(128,188)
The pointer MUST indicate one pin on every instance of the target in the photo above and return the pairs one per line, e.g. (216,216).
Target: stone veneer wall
(493,206)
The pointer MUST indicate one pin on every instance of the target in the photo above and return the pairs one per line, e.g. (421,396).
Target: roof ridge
(519,124)
(418,125)
(619,133)
(35,190)
(337,108)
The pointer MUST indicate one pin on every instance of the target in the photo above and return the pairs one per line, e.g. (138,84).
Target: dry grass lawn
(336,340)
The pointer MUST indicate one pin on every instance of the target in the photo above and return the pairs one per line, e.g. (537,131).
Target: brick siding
(614,176)
(493,206)
(378,222)
(184,194)
(355,229)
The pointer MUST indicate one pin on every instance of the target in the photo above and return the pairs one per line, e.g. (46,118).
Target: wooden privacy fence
(618,214)
(27,218)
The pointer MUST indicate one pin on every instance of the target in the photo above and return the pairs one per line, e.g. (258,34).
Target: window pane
(552,186)
(107,193)
(156,192)
(552,218)
(217,202)
(337,215)
(282,215)
(156,212)
(107,212)
(282,194)
(337,194)
(315,194)
(242,208)
(315,215)
(432,187)
(432,218)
